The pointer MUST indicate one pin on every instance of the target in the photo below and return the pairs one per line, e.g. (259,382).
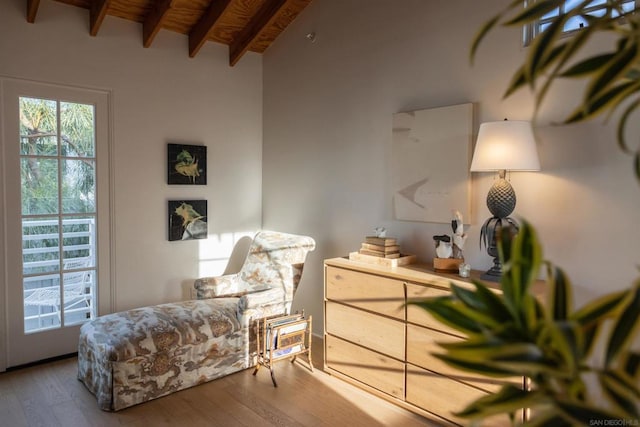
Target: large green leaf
(574,45)
(532,315)
(469,298)
(612,70)
(564,340)
(622,391)
(475,318)
(588,66)
(534,11)
(622,124)
(598,309)
(481,35)
(480,308)
(475,367)
(590,334)
(520,358)
(624,327)
(548,418)
(592,314)
(632,364)
(542,48)
(493,302)
(476,342)
(509,399)
(523,268)
(446,311)
(519,79)
(608,99)
(560,293)
(484,320)
(583,414)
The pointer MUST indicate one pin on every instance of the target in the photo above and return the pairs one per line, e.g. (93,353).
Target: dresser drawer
(421,342)
(419,315)
(370,292)
(379,333)
(376,370)
(438,394)
(443,396)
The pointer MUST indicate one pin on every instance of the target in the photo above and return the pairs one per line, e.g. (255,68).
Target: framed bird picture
(186,164)
(187,219)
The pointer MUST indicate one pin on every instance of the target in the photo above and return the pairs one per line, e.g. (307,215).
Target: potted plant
(549,342)
(581,365)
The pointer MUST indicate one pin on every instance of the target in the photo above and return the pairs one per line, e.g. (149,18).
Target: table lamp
(502,146)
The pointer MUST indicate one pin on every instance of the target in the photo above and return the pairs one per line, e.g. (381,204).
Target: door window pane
(38,127)
(79,289)
(78,186)
(77,130)
(39,179)
(40,246)
(79,240)
(41,302)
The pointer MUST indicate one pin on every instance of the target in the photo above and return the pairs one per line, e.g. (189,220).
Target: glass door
(52,145)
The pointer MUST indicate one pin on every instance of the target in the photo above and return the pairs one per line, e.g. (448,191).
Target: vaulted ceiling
(243,25)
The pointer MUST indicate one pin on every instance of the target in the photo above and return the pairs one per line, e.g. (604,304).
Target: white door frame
(12,338)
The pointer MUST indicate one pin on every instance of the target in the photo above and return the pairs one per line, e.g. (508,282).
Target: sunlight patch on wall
(216,251)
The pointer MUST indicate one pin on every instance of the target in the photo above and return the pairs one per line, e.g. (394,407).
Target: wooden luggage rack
(282,337)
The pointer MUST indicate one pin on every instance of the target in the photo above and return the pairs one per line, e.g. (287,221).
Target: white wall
(158,95)
(327,133)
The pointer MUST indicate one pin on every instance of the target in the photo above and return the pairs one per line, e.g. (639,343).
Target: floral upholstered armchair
(137,355)
(268,278)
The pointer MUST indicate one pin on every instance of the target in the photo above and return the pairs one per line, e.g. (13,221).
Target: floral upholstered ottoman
(137,355)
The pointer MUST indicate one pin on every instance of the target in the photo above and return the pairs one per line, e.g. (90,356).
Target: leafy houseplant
(514,334)
(581,364)
(612,78)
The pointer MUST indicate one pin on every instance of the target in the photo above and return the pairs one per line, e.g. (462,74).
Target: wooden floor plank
(69,415)
(49,395)
(11,410)
(31,394)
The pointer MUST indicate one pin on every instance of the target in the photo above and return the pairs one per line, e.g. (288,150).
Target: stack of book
(383,247)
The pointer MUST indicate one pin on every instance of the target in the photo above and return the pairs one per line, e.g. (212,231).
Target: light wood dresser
(373,340)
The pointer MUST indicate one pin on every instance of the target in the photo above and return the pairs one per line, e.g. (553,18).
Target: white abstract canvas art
(431,151)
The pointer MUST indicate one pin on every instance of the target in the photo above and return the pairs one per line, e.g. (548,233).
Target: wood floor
(50,395)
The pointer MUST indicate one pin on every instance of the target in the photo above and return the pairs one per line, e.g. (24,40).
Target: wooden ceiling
(243,25)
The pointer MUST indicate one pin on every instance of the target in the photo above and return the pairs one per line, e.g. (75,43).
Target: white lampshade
(507,144)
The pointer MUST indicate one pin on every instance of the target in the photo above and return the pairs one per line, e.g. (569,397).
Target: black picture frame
(187,219)
(186,164)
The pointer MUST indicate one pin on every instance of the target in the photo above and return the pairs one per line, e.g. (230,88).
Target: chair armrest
(229,285)
(262,304)
(266,297)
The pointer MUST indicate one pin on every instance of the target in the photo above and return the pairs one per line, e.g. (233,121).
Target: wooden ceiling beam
(201,31)
(97,12)
(32,10)
(261,20)
(154,20)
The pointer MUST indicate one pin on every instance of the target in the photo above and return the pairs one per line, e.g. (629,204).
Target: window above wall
(594,8)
